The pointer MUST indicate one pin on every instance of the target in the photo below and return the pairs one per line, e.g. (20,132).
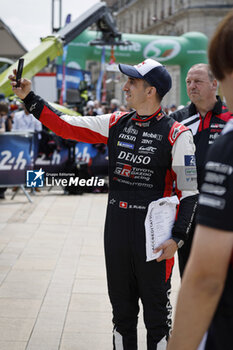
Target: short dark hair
(3,107)
(221,48)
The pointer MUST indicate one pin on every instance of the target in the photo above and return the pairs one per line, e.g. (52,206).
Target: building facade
(169,17)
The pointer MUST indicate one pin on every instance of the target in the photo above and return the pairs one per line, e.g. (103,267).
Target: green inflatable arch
(186,50)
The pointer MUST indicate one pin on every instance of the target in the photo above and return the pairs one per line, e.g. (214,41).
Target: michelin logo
(35,178)
(125,144)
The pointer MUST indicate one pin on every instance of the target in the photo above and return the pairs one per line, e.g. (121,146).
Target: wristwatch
(178,241)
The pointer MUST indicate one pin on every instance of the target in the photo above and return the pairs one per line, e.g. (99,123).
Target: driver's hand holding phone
(21,87)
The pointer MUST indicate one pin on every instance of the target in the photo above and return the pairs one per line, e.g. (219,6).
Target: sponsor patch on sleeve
(175,131)
(189,160)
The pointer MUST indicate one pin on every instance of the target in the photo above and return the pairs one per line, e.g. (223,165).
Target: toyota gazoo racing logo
(123,169)
(162,49)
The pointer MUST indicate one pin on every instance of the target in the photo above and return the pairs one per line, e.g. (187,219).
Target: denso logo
(127,137)
(152,136)
(134,158)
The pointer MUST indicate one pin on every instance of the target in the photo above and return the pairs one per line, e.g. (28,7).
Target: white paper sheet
(158,224)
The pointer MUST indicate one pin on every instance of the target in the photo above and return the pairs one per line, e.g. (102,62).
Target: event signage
(20,163)
(184,51)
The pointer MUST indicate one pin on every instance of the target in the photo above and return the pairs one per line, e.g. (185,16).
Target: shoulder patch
(115,118)
(175,131)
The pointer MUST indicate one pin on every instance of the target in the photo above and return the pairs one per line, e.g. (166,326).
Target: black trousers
(130,277)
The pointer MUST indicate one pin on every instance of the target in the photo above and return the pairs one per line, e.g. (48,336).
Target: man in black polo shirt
(206,116)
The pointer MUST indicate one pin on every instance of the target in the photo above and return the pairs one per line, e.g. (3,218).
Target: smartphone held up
(19,71)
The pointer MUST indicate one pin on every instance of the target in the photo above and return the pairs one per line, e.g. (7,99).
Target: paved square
(53,291)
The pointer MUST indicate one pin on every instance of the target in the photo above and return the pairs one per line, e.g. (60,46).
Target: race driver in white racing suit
(148,153)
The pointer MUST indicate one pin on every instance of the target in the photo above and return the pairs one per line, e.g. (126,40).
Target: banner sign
(184,51)
(19,153)
(100,79)
(16,156)
(85,152)
(55,163)
(72,78)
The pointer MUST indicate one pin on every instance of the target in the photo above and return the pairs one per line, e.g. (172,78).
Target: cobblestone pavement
(53,292)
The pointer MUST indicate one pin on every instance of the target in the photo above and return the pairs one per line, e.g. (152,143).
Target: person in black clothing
(3,118)
(206,116)
(204,318)
(147,151)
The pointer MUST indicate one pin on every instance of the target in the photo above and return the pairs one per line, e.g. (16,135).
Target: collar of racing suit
(159,114)
(216,110)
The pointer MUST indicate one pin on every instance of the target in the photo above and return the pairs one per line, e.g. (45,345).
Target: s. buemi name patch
(125,144)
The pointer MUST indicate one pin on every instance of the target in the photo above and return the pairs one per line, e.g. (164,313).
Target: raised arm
(87,129)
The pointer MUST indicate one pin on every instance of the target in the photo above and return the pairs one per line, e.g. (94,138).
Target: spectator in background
(90,108)
(166,109)
(106,109)
(173,108)
(3,120)
(3,116)
(13,107)
(24,121)
(6,116)
(114,105)
(98,107)
(9,122)
(204,313)
(205,116)
(91,111)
